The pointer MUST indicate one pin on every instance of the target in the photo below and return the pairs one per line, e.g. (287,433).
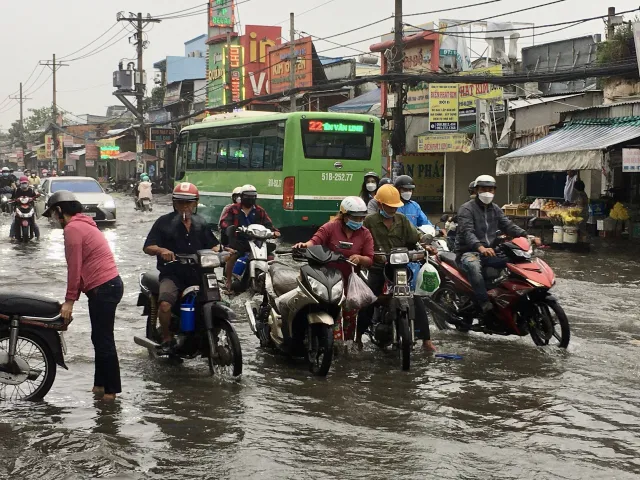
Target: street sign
(161,134)
(630,160)
(443,107)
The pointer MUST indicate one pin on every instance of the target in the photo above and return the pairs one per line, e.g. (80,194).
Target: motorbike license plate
(25,223)
(90,214)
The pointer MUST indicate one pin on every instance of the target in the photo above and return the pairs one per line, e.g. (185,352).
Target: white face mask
(406,196)
(371,187)
(486,197)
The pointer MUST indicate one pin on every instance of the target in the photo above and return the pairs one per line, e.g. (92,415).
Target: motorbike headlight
(399,258)
(109,203)
(319,289)
(4,200)
(209,261)
(336,291)
(401,278)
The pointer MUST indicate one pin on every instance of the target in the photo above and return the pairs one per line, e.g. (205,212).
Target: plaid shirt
(235,216)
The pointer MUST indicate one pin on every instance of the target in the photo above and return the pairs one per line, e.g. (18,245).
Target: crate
(510,209)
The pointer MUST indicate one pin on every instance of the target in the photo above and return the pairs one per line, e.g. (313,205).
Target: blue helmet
(144,177)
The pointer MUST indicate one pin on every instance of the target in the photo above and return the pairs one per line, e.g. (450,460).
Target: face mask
(406,196)
(486,197)
(385,214)
(5,174)
(238,200)
(354,225)
(24,186)
(371,187)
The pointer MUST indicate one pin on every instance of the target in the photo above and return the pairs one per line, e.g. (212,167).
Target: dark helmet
(472,187)
(372,175)
(61,196)
(404,181)
(384,181)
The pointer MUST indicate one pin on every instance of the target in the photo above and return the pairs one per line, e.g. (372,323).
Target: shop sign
(48,145)
(417,99)
(236,59)
(418,59)
(222,13)
(221,57)
(41,154)
(256,42)
(443,107)
(89,163)
(630,160)
(215,76)
(161,134)
(280,66)
(172,93)
(470,92)
(109,151)
(92,153)
(68,141)
(427,172)
(444,142)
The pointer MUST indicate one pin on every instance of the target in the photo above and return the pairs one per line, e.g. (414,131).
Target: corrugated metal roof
(530,102)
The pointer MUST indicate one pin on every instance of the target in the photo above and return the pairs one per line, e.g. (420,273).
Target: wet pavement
(506,410)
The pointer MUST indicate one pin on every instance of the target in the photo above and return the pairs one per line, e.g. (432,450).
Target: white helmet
(485,181)
(248,189)
(237,191)
(353,206)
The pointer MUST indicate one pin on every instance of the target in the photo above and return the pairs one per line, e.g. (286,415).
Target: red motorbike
(519,294)
(25,217)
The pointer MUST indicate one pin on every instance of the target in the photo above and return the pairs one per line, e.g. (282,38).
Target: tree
(15,133)
(39,118)
(156,99)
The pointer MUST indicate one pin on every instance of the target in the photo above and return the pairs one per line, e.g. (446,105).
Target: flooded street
(506,410)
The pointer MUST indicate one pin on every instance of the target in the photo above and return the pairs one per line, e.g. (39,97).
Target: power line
(90,43)
(36,80)
(452,8)
(162,15)
(99,49)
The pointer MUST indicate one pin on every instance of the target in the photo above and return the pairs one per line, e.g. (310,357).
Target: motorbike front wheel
(543,324)
(225,354)
(37,368)
(320,348)
(25,234)
(404,341)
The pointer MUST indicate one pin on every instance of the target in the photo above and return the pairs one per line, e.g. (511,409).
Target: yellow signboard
(470,92)
(444,142)
(48,145)
(443,107)
(427,172)
(41,154)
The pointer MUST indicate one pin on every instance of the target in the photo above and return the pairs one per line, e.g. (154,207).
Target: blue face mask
(385,214)
(354,225)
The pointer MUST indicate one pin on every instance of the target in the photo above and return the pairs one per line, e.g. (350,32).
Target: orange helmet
(187,192)
(389,195)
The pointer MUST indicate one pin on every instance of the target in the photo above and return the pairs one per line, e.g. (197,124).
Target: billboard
(256,42)
(222,62)
(280,66)
(215,76)
(443,107)
(222,13)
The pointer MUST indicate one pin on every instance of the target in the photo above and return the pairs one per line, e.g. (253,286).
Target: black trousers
(103,302)
(376,284)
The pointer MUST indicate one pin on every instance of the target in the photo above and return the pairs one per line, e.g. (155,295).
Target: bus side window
(270,152)
(244,154)
(223,151)
(234,151)
(257,153)
(192,155)
(181,165)
(280,153)
(201,155)
(212,155)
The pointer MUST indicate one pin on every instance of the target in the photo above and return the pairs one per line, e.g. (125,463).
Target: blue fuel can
(188,314)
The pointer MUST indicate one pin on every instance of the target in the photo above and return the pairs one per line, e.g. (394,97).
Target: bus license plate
(90,214)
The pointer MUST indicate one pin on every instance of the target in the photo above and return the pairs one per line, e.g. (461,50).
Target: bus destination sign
(336,127)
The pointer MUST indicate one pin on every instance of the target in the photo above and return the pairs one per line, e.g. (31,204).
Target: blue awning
(362,104)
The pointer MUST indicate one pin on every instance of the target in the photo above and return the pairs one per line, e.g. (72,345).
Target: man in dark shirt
(182,232)
(242,215)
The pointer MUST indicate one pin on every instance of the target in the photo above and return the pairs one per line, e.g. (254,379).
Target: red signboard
(280,66)
(257,41)
(92,152)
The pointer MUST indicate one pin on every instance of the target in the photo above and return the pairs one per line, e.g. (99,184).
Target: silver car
(96,202)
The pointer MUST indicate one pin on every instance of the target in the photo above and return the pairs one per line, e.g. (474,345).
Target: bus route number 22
(337,177)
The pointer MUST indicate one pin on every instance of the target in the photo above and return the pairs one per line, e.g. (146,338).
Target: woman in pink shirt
(347,227)
(92,270)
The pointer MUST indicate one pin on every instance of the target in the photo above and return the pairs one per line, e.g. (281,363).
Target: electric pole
(54,110)
(610,23)
(21,99)
(292,61)
(398,137)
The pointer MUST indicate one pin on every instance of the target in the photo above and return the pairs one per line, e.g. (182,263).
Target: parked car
(97,203)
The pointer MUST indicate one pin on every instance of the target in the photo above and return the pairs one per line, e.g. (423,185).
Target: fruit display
(619,212)
(550,205)
(565,216)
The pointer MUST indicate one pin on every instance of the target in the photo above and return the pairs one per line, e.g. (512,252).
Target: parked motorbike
(31,345)
(394,315)
(519,293)
(300,307)
(250,271)
(25,216)
(202,324)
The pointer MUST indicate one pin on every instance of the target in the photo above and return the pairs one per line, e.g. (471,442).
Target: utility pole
(292,61)
(611,29)
(398,137)
(21,99)
(54,110)
(228,73)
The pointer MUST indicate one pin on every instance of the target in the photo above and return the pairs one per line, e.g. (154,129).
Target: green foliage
(619,48)
(40,118)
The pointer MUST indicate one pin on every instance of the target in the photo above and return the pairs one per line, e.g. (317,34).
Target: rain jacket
(144,190)
(478,224)
(414,213)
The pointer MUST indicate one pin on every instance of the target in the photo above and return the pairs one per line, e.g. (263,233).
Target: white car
(96,203)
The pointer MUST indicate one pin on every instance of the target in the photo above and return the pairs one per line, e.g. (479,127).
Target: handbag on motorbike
(359,295)
(428,280)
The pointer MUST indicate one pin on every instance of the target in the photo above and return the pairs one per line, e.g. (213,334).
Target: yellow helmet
(389,195)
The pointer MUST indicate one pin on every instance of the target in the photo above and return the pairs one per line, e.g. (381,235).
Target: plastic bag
(428,280)
(359,295)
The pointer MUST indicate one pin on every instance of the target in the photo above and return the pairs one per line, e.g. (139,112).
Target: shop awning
(131,156)
(580,145)
(361,104)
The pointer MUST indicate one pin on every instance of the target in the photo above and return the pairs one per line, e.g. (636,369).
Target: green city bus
(302,164)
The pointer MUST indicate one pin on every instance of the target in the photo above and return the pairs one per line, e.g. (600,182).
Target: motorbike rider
(235,199)
(372,206)
(478,223)
(6,180)
(243,214)
(24,190)
(369,186)
(143,190)
(472,190)
(346,227)
(181,231)
(391,229)
(410,209)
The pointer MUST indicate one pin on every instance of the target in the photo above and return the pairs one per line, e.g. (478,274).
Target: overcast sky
(35,29)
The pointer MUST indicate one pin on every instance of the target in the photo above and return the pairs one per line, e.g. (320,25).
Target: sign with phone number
(337,177)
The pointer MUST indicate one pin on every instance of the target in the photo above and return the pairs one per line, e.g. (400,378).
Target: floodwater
(506,410)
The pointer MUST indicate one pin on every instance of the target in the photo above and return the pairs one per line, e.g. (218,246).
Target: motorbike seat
(29,305)
(449,258)
(284,279)
(151,281)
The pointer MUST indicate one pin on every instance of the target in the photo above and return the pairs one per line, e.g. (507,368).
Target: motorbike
(394,315)
(31,345)
(519,293)
(300,307)
(5,199)
(250,271)
(25,217)
(202,324)
(144,204)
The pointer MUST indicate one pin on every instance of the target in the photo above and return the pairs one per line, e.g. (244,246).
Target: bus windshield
(340,140)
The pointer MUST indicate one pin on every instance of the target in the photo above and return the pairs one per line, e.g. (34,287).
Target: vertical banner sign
(443,107)
(215,75)
(222,13)
(235,56)
(630,160)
